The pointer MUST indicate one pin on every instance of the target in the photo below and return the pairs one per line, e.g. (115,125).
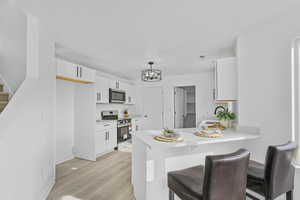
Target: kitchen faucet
(219,107)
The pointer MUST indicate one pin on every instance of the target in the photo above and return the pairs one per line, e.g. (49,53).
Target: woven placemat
(207,135)
(167,139)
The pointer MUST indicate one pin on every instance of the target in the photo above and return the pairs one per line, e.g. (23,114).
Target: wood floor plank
(109,178)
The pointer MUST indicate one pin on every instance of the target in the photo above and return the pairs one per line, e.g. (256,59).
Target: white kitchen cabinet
(74,72)
(116,84)
(226,80)
(100,142)
(105,138)
(87,74)
(130,93)
(112,139)
(102,89)
(65,69)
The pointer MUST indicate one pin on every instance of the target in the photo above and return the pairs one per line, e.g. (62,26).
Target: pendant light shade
(151,75)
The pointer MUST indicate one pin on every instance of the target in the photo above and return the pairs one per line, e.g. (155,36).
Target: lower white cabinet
(105,138)
(100,145)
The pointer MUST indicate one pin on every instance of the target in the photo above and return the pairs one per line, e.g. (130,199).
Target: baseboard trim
(67,158)
(47,190)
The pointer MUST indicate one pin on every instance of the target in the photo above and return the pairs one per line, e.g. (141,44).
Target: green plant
(226,115)
(126,112)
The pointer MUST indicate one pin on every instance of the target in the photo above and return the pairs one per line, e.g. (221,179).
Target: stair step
(3,104)
(4,96)
(1,88)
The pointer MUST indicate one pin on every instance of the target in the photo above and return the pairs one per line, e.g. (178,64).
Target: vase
(226,123)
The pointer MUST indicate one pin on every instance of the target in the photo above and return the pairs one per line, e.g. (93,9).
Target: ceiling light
(151,75)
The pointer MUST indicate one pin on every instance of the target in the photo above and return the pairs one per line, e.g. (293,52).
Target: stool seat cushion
(187,183)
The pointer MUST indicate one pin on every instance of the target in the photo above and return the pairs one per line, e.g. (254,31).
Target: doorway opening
(185,107)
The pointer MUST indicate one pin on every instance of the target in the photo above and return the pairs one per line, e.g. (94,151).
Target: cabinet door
(87,74)
(102,89)
(226,79)
(66,69)
(132,94)
(126,88)
(112,138)
(100,142)
(116,84)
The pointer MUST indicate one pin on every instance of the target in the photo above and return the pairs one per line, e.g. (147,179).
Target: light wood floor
(107,179)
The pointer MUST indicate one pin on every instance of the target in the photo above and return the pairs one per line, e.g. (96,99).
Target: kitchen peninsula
(152,160)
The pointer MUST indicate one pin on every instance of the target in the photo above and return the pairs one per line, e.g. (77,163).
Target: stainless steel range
(124,127)
(124,130)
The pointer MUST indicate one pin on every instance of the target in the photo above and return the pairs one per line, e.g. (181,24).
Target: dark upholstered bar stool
(224,178)
(276,177)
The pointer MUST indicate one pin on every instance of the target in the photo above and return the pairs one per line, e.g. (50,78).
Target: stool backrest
(226,176)
(279,171)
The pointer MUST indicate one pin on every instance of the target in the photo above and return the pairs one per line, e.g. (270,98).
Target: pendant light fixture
(151,75)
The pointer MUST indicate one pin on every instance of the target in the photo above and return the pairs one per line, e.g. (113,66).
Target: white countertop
(190,139)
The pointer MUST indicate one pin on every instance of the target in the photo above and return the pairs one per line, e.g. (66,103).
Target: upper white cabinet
(102,89)
(130,94)
(116,84)
(65,69)
(87,74)
(74,72)
(226,80)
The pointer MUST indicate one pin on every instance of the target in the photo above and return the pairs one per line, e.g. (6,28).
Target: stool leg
(289,195)
(171,195)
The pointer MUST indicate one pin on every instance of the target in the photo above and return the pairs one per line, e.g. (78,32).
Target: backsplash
(119,107)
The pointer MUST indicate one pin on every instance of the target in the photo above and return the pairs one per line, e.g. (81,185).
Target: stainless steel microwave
(117,96)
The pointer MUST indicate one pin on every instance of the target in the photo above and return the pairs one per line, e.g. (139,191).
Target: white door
(153,108)
(179,107)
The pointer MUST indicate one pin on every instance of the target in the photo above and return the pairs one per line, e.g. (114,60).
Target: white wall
(264,58)
(27,128)
(12,46)
(204,83)
(64,120)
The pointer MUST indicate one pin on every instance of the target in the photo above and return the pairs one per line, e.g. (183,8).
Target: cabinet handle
(80,72)
(105,135)
(77,71)
(108,135)
(100,96)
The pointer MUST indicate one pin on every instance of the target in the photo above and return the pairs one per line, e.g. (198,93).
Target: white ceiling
(120,36)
